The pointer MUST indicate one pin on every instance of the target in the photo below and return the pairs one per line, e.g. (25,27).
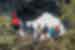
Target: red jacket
(15,20)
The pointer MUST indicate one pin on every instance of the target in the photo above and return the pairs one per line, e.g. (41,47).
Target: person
(15,21)
(45,29)
(54,32)
(36,34)
(44,33)
(30,29)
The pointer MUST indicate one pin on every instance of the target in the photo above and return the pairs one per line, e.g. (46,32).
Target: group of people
(41,28)
(30,14)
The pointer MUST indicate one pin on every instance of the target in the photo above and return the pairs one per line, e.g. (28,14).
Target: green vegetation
(7,39)
(67,42)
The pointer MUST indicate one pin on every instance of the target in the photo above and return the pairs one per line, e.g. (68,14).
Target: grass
(9,39)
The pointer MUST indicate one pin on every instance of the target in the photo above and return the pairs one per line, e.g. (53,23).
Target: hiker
(54,32)
(15,21)
(36,34)
(45,33)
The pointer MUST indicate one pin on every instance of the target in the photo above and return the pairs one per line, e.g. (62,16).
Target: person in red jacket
(15,21)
